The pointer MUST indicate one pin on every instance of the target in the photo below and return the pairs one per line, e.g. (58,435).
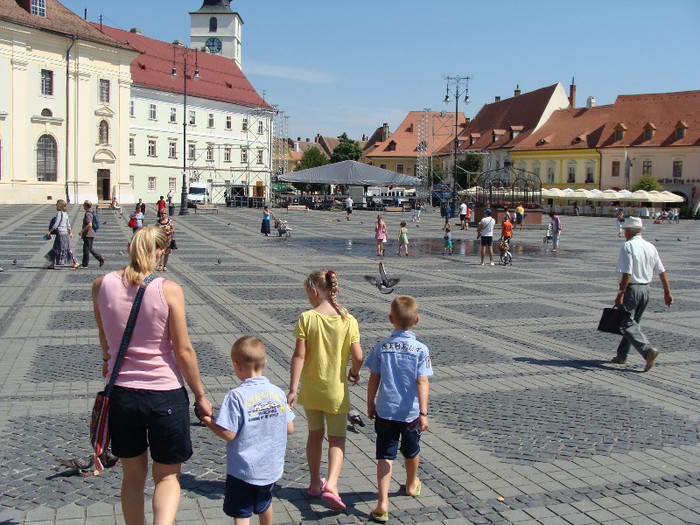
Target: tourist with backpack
(90,224)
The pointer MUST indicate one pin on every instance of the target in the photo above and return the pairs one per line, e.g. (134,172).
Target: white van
(198,193)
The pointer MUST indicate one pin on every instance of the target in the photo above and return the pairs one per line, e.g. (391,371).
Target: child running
(254,420)
(448,239)
(327,336)
(399,366)
(403,238)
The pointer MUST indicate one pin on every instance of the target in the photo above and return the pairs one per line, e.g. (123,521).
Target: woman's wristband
(423,414)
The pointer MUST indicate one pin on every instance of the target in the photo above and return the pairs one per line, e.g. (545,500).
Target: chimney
(307,139)
(318,137)
(177,42)
(299,139)
(385,132)
(516,93)
(590,103)
(497,98)
(572,94)
(135,30)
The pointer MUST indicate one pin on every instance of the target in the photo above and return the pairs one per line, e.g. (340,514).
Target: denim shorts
(242,499)
(388,434)
(158,420)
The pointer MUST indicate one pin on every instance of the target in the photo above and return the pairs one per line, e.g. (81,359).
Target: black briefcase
(611,320)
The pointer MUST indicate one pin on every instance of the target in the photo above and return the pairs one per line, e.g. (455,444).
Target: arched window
(104,132)
(213,23)
(46,159)
(46,112)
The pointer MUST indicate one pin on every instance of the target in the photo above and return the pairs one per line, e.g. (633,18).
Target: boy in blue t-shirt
(399,368)
(254,420)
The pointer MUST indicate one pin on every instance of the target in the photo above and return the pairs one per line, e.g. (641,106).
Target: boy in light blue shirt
(399,366)
(254,420)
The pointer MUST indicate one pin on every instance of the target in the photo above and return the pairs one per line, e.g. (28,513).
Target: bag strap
(128,331)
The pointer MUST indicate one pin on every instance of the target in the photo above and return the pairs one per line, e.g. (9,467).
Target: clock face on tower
(213,45)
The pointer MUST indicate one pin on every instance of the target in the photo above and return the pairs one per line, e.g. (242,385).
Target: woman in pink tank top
(149,406)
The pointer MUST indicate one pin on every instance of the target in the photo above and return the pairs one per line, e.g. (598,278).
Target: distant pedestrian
(636,265)
(463,214)
(506,229)
(448,214)
(447,248)
(380,234)
(469,216)
(620,221)
(348,207)
(403,238)
(142,205)
(160,204)
(88,235)
(255,443)
(415,216)
(265,227)
(136,218)
(555,223)
(506,214)
(399,370)
(61,252)
(165,223)
(170,196)
(485,232)
(520,215)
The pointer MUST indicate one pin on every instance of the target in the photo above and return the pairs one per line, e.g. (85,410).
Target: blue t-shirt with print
(258,413)
(400,360)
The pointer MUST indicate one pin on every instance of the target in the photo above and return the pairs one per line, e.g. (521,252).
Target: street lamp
(459,86)
(185,51)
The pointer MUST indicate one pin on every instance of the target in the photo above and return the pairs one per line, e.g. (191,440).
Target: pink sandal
(316,494)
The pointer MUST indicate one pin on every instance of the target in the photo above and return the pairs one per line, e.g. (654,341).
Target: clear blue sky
(339,66)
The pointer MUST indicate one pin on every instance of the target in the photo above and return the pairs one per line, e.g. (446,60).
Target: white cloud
(288,72)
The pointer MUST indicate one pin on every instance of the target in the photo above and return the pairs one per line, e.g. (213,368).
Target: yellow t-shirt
(520,210)
(323,378)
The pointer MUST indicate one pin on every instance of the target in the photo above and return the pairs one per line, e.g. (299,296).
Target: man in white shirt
(463,214)
(348,207)
(636,265)
(485,231)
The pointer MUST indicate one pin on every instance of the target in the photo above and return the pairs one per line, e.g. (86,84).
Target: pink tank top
(149,363)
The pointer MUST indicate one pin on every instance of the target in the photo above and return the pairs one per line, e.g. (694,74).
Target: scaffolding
(241,166)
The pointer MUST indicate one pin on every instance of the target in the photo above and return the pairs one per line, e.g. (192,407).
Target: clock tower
(217,29)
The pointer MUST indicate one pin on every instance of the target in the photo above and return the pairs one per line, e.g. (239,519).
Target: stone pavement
(530,422)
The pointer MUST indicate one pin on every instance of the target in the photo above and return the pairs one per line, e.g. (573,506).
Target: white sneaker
(492,264)
(481,264)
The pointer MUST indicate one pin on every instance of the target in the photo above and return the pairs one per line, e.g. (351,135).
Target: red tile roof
(405,138)
(665,110)
(59,19)
(220,78)
(572,128)
(524,110)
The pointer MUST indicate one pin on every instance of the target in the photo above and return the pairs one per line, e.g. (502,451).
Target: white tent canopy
(350,173)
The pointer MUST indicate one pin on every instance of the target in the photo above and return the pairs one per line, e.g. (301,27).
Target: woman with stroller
(265,227)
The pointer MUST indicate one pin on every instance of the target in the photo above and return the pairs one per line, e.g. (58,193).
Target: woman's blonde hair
(142,253)
(61,205)
(326,283)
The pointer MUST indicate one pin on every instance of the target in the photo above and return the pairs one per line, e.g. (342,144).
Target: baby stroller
(547,236)
(283,228)
(506,256)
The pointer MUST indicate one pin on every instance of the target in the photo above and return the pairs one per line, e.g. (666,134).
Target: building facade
(64,99)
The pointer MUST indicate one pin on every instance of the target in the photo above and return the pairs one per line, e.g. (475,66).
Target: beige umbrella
(552,193)
(669,197)
(607,195)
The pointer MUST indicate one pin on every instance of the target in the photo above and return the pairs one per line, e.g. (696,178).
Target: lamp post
(185,51)
(459,86)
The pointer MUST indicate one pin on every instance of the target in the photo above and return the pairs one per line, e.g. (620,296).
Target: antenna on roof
(85,16)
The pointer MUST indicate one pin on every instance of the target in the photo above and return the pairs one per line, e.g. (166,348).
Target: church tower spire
(214,27)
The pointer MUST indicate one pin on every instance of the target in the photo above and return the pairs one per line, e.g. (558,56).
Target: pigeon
(355,419)
(218,261)
(384,284)
(15,261)
(119,253)
(679,239)
(229,224)
(2,269)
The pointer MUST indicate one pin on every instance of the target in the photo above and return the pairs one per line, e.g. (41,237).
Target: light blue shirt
(258,413)
(400,361)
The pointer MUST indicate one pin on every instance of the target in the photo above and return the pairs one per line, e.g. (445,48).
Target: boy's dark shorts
(155,419)
(388,433)
(242,499)
(487,241)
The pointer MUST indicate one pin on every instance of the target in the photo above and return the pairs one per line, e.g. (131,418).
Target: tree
(311,158)
(468,169)
(647,182)
(347,149)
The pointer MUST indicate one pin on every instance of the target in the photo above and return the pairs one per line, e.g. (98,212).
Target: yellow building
(564,151)
(64,105)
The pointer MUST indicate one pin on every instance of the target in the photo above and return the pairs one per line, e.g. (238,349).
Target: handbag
(173,244)
(132,222)
(611,319)
(99,419)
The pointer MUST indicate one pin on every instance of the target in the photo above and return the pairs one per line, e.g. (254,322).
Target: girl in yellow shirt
(327,336)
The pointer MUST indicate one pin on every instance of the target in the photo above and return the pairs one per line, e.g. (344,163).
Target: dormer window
(498,133)
(620,131)
(39,7)
(515,131)
(542,142)
(391,146)
(680,130)
(473,138)
(649,129)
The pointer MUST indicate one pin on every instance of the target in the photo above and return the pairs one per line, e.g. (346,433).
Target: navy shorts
(388,434)
(158,420)
(243,499)
(487,241)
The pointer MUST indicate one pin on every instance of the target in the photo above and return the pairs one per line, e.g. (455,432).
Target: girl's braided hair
(326,282)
